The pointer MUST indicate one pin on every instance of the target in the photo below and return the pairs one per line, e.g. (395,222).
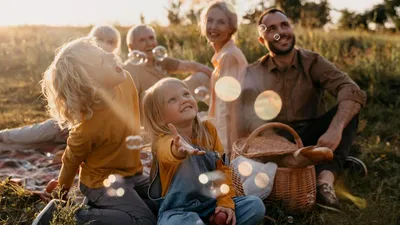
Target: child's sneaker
(218,218)
(46,215)
(356,166)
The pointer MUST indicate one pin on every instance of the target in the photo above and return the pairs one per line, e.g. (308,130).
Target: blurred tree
(193,16)
(392,9)
(378,15)
(174,13)
(352,20)
(292,8)
(314,14)
(254,12)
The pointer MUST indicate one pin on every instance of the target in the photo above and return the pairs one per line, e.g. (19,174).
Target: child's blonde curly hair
(69,89)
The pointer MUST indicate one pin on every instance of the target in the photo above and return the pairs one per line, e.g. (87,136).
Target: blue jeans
(249,210)
(132,208)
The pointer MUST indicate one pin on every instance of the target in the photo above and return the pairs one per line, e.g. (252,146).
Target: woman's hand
(181,146)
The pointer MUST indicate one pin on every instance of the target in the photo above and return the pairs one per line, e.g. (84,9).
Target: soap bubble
(268,105)
(261,180)
(224,189)
(134,142)
(277,37)
(120,192)
(213,176)
(137,57)
(227,88)
(160,53)
(245,168)
(262,28)
(201,94)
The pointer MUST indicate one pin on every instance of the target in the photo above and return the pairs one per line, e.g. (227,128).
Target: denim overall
(188,202)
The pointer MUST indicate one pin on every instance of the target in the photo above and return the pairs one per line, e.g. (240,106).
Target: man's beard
(276,51)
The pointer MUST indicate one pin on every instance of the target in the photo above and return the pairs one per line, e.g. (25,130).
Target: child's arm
(180,148)
(172,149)
(78,146)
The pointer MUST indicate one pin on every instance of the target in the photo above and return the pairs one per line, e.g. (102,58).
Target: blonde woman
(89,93)
(185,147)
(219,23)
(47,135)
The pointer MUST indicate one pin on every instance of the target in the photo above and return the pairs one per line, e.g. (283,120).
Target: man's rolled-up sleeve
(336,81)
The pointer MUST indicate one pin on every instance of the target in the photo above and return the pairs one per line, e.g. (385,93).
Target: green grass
(371,59)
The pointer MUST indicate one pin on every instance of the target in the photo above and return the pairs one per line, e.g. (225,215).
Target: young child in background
(170,115)
(47,135)
(89,93)
(108,38)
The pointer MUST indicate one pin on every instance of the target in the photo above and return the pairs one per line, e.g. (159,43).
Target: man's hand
(181,146)
(229,212)
(331,139)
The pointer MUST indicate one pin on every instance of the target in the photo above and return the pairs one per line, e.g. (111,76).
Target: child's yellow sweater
(98,144)
(168,164)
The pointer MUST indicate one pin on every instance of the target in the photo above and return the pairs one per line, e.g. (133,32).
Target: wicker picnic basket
(294,188)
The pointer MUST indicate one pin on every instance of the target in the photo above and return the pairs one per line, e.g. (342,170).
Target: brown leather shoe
(317,154)
(326,197)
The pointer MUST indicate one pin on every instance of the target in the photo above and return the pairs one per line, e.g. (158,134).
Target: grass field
(371,59)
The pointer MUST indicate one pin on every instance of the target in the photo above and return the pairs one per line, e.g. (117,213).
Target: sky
(124,12)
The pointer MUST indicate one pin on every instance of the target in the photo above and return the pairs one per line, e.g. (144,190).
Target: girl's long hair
(153,111)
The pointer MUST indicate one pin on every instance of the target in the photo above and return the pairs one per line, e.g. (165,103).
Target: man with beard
(300,78)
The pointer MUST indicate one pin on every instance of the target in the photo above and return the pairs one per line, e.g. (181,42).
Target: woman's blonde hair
(134,31)
(69,89)
(106,34)
(225,7)
(153,111)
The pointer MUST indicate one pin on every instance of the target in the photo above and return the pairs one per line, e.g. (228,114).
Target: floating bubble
(201,94)
(49,154)
(262,28)
(106,183)
(120,192)
(160,53)
(251,11)
(277,37)
(111,192)
(261,180)
(290,219)
(134,142)
(137,57)
(112,178)
(245,168)
(310,198)
(203,178)
(224,189)
(227,88)
(268,105)
(213,176)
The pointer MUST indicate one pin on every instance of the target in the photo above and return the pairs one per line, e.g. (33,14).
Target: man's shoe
(326,197)
(356,166)
(46,215)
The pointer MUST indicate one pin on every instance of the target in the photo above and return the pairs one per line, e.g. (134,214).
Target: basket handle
(257,131)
